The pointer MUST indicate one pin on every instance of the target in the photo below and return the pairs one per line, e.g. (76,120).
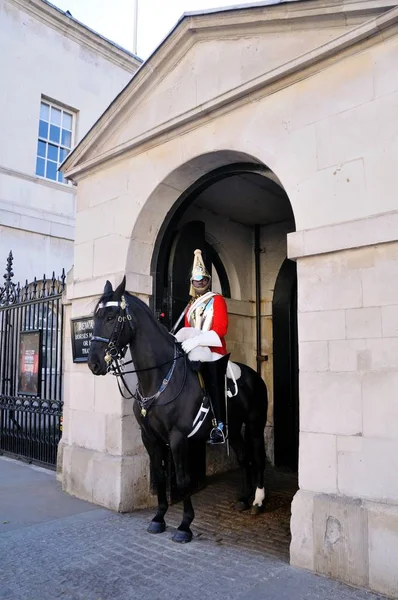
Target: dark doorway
(286,392)
(187,239)
(262,202)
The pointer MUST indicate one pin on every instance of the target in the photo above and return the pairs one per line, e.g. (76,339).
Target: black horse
(169,401)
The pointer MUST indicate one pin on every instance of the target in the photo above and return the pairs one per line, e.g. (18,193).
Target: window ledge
(62,187)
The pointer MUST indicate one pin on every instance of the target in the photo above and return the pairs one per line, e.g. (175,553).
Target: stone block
(314,356)
(347,355)
(383,548)
(107,476)
(78,472)
(380,284)
(321,325)
(341,539)
(36,225)
(113,433)
(107,398)
(296,244)
(81,390)
(108,183)
(91,224)
(347,85)
(331,403)
(125,211)
(130,437)
(328,196)
(328,285)
(83,260)
(135,484)
(389,319)
(363,323)
(380,182)
(87,430)
(63,230)
(301,527)
(384,62)
(384,354)
(380,406)
(364,471)
(348,135)
(318,475)
(139,257)
(110,254)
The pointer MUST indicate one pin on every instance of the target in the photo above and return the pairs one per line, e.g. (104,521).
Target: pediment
(210,56)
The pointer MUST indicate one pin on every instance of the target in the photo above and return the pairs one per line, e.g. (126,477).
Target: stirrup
(217,436)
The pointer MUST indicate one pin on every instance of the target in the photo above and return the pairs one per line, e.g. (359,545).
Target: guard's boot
(214,377)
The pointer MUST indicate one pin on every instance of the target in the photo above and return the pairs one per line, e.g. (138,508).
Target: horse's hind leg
(256,433)
(240,448)
(183,535)
(157,455)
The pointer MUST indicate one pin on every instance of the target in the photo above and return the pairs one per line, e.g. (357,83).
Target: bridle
(114,357)
(112,352)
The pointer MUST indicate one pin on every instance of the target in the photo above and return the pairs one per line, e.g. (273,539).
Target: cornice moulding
(79,33)
(147,78)
(348,235)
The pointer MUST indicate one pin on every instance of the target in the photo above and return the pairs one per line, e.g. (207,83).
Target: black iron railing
(31,326)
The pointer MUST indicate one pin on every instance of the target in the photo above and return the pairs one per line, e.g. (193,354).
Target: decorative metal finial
(7,291)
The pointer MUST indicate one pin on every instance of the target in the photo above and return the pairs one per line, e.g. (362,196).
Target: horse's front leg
(157,455)
(180,451)
(183,535)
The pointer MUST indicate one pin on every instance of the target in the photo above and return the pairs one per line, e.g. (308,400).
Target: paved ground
(55,547)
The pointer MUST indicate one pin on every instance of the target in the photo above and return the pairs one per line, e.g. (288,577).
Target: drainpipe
(257,271)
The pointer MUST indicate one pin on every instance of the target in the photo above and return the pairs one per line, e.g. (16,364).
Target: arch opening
(220,212)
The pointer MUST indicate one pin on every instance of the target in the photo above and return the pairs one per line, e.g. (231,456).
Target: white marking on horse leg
(259,497)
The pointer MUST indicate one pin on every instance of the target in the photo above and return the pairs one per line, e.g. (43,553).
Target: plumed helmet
(198,270)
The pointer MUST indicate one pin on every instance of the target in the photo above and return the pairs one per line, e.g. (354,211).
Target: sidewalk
(53,546)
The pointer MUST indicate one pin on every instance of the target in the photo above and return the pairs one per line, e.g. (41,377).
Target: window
(55,140)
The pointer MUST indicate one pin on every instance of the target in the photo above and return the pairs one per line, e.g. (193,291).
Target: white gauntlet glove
(204,338)
(190,344)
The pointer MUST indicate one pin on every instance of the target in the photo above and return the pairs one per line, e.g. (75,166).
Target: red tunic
(219,324)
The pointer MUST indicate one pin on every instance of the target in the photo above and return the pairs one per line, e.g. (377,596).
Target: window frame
(54,106)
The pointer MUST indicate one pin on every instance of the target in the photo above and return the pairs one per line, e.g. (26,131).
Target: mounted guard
(203,339)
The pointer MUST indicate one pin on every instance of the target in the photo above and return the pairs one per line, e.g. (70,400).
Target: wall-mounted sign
(82,330)
(29,367)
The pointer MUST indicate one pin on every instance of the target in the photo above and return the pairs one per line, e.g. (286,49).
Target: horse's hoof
(182,537)
(256,509)
(156,527)
(242,505)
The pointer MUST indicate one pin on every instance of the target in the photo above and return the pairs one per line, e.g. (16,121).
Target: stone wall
(348,499)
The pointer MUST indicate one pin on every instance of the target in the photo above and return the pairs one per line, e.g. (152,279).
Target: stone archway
(165,209)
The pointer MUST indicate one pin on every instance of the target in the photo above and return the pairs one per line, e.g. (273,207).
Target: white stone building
(270,128)
(57,77)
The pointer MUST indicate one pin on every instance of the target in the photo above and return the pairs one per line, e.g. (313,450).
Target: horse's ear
(121,288)
(108,288)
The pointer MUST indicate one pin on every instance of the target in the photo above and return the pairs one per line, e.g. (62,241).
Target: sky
(114,18)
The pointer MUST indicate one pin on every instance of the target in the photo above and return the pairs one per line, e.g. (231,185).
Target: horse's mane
(162,329)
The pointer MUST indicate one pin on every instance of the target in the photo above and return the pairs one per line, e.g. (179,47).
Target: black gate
(31,324)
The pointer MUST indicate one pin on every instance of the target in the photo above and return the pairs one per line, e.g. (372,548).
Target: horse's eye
(109,318)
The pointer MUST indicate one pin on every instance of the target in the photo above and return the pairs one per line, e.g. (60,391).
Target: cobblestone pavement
(55,547)
(217,520)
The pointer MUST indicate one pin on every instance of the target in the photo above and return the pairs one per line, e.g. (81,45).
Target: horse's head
(113,328)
